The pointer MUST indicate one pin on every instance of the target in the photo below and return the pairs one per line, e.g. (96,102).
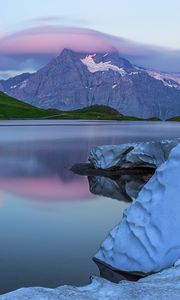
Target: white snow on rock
(20,85)
(168,79)
(102,66)
(23,84)
(161,286)
(13,86)
(132,154)
(133,73)
(147,238)
(106,54)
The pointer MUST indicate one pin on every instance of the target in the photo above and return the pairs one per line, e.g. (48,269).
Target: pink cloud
(52,40)
(39,44)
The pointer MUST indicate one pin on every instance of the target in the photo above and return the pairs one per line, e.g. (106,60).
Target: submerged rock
(161,286)
(144,154)
(147,238)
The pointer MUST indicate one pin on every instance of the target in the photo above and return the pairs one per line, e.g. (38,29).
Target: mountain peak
(67,51)
(98,57)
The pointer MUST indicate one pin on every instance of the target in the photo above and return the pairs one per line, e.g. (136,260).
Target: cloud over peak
(35,46)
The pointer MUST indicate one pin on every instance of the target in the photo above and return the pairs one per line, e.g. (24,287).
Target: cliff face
(74,80)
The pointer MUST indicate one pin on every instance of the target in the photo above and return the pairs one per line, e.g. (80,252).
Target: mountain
(74,80)
(14,82)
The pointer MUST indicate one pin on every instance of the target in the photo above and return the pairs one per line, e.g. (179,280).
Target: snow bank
(164,285)
(132,154)
(147,238)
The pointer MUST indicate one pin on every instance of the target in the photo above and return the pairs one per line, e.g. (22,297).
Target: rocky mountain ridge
(75,80)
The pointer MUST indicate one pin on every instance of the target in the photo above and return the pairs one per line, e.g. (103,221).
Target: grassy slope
(177,119)
(11,108)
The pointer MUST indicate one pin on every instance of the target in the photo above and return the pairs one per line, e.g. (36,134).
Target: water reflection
(124,188)
(40,170)
(35,160)
(46,189)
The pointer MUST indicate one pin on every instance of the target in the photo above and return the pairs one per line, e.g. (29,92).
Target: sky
(32,32)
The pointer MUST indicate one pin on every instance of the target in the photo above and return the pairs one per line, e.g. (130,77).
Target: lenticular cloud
(40,44)
(52,39)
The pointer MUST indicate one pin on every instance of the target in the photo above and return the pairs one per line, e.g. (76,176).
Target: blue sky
(148,23)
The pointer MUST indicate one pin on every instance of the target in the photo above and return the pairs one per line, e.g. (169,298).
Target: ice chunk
(132,155)
(147,238)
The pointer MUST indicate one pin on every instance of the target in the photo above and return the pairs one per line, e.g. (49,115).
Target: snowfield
(160,286)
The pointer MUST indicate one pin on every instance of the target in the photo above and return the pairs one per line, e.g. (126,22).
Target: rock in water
(147,238)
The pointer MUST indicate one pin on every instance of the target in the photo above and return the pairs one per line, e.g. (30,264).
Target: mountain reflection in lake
(50,223)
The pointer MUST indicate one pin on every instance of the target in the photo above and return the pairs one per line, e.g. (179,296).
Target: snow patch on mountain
(94,67)
(13,87)
(133,73)
(169,79)
(23,84)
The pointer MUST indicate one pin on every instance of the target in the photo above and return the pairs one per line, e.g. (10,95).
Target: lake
(51,225)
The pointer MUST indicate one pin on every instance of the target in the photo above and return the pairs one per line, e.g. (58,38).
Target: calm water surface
(50,223)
